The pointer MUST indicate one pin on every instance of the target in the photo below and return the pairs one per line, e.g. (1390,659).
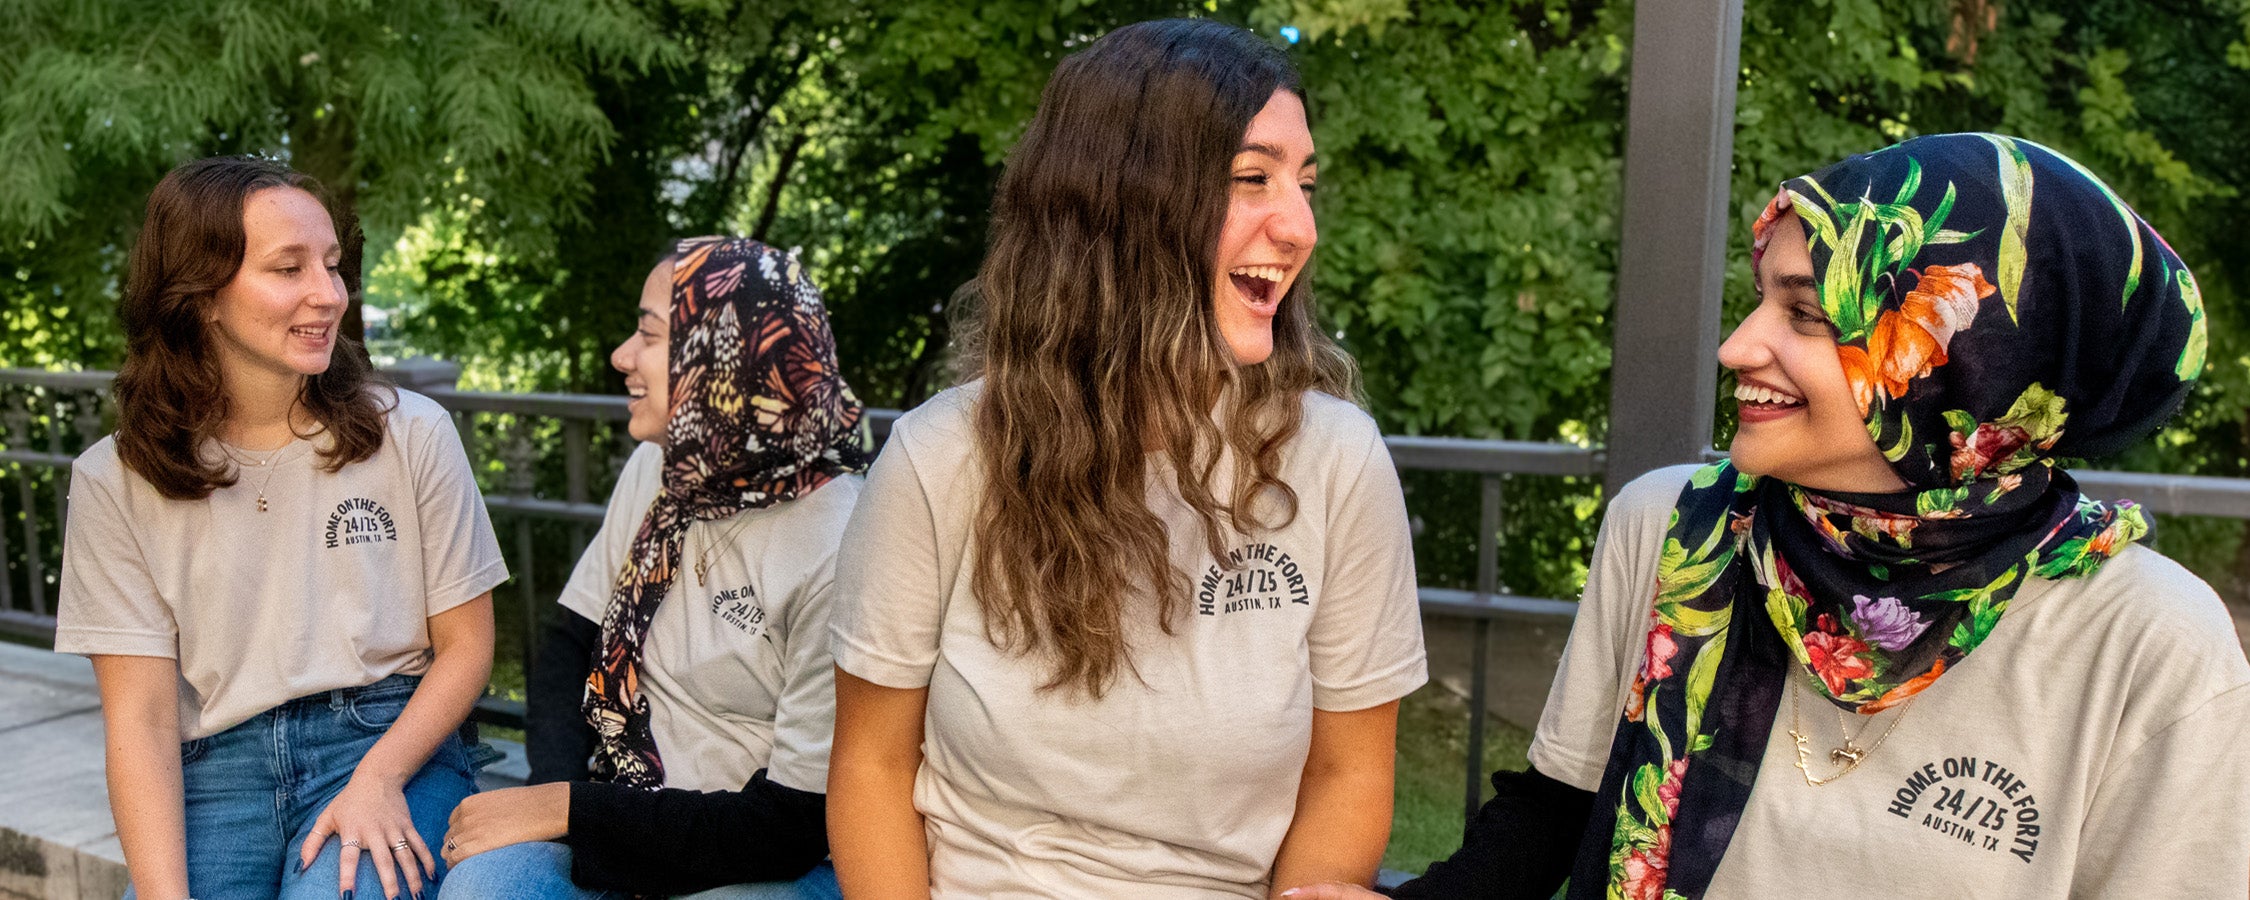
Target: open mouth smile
(1759,403)
(1260,286)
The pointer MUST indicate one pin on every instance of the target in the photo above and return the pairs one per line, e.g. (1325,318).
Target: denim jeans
(254,790)
(540,870)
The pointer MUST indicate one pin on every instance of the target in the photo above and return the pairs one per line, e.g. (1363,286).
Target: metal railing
(46,418)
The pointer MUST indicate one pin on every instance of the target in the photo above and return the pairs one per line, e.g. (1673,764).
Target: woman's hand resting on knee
(370,816)
(495,819)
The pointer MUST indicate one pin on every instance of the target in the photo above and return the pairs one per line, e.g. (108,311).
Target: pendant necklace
(1848,756)
(266,464)
(703,558)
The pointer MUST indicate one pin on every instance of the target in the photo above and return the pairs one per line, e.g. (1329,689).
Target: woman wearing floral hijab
(1889,648)
(710,692)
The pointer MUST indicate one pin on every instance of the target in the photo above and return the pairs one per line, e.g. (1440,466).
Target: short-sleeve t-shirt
(2096,745)
(1182,781)
(331,587)
(735,664)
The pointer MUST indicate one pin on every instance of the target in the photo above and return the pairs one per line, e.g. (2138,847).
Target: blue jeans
(540,870)
(253,791)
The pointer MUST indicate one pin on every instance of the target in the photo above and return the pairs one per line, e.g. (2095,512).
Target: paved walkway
(57,841)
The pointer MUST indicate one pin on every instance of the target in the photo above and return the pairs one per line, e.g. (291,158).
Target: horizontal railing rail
(579,414)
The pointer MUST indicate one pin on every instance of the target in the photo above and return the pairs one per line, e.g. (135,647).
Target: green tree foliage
(521,164)
(478,112)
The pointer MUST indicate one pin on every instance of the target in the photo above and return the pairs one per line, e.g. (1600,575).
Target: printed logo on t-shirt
(1254,577)
(739,607)
(1977,802)
(360,521)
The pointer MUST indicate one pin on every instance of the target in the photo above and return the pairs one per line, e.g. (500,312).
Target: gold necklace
(266,463)
(1847,756)
(703,559)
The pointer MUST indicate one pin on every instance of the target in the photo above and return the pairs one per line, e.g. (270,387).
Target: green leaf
(2038,411)
(2015,191)
(1962,422)
(1700,675)
(1646,780)
(2190,363)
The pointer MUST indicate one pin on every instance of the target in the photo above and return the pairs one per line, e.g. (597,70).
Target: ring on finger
(401,847)
(353,843)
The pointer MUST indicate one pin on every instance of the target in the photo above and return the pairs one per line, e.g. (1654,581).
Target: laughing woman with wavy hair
(1129,612)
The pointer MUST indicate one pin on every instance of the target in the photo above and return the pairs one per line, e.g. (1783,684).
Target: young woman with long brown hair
(281,568)
(1130,612)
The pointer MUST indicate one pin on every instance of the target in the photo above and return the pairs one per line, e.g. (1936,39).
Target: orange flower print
(1946,300)
(1902,351)
(1859,372)
(1898,695)
(1908,342)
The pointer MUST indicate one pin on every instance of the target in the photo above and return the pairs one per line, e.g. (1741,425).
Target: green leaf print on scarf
(2191,358)
(2015,190)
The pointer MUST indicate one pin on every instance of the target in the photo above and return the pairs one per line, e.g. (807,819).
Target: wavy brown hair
(171,398)
(1092,327)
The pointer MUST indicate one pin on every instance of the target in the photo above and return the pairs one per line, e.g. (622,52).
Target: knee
(517,870)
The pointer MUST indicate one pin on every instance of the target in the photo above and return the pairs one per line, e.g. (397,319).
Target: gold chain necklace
(703,558)
(1847,756)
(266,463)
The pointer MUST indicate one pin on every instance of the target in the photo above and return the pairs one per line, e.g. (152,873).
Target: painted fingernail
(347,895)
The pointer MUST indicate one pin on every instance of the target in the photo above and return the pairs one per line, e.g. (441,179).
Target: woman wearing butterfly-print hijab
(710,688)
(1890,649)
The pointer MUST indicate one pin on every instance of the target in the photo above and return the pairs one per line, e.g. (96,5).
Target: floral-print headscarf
(759,415)
(1996,308)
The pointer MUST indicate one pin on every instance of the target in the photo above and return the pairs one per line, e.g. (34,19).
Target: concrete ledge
(56,837)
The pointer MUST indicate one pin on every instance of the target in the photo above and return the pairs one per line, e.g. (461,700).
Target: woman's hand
(495,819)
(370,815)
(1330,890)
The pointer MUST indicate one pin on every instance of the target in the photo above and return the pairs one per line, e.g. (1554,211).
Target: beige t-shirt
(332,587)
(2096,745)
(735,668)
(1181,783)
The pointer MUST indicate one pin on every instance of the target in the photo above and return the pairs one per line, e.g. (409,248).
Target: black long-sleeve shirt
(1520,846)
(668,841)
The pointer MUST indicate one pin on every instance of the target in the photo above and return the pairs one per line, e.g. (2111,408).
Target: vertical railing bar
(7,572)
(62,473)
(522,479)
(1488,578)
(575,439)
(18,418)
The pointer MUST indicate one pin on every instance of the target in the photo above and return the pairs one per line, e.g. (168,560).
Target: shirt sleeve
(2168,821)
(890,601)
(1572,741)
(108,604)
(460,554)
(805,713)
(1366,634)
(594,580)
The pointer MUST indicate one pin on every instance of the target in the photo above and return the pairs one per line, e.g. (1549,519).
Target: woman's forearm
(1343,817)
(461,665)
(874,833)
(141,728)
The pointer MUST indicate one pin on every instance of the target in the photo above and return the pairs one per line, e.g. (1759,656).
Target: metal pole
(1679,145)
(1488,584)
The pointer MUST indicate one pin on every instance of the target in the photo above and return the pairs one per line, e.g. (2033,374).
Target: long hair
(1093,329)
(171,398)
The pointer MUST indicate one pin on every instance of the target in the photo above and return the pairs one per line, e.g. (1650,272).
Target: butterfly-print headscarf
(759,415)
(1996,308)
